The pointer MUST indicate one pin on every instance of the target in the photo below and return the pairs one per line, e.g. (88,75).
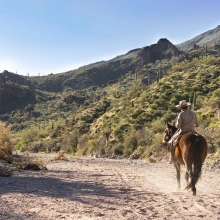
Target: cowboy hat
(183,103)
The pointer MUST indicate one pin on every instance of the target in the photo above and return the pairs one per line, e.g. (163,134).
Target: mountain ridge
(209,37)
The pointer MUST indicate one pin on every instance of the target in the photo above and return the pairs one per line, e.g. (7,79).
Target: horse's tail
(198,146)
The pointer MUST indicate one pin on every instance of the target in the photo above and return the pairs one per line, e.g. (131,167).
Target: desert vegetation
(5,141)
(119,116)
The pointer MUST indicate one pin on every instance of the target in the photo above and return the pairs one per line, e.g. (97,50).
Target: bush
(130,144)
(5,143)
(143,137)
(70,142)
(157,126)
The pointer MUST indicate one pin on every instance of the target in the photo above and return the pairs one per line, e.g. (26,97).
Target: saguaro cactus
(206,50)
(148,79)
(194,100)
(136,76)
(158,77)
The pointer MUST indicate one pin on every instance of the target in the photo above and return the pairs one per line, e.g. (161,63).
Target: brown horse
(191,151)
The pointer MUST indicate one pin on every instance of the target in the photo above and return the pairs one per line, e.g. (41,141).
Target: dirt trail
(88,188)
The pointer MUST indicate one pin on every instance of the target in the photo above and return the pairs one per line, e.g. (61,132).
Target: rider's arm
(179,121)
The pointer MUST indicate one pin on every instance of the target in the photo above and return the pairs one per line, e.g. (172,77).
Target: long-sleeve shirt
(186,121)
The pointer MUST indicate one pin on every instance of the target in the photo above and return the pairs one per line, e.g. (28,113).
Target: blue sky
(53,36)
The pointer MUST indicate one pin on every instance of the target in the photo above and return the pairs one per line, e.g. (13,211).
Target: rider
(186,122)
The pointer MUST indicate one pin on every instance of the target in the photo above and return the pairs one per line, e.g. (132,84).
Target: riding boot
(172,157)
(170,149)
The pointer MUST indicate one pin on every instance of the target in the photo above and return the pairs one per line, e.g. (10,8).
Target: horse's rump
(193,147)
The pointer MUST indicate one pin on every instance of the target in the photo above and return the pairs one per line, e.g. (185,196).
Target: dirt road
(88,188)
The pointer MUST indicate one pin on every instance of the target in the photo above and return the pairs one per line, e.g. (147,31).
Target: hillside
(116,107)
(128,117)
(17,92)
(106,72)
(209,37)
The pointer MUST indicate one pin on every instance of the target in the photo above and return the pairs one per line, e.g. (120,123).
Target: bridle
(169,132)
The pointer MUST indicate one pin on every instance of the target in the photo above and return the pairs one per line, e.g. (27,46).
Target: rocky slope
(209,37)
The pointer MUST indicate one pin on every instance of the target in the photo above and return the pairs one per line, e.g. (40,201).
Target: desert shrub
(118,149)
(121,129)
(137,113)
(114,92)
(146,116)
(168,117)
(130,144)
(30,135)
(5,141)
(82,147)
(70,142)
(135,90)
(26,162)
(157,126)
(141,150)
(33,134)
(156,145)
(144,137)
(35,147)
(92,146)
(101,146)
(212,137)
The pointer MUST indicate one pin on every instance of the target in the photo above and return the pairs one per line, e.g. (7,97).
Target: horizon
(49,36)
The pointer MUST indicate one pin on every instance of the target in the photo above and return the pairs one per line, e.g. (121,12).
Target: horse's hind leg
(177,166)
(188,172)
(189,178)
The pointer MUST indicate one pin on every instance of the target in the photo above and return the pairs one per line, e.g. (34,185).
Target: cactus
(189,102)
(158,75)
(194,101)
(160,72)
(206,50)
(148,78)
(136,76)
(117,95)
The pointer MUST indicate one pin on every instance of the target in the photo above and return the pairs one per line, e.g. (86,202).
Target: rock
(134,156)
(32,166)
(5,170)
(164,49)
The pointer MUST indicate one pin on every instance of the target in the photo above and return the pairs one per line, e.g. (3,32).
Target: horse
(191,151)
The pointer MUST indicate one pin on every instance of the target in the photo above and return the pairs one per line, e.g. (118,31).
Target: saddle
(177,138)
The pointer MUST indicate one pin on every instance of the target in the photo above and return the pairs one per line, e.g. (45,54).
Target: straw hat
(183,103)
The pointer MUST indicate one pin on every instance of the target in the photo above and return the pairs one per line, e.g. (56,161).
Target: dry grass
(59,156)
(150,160)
